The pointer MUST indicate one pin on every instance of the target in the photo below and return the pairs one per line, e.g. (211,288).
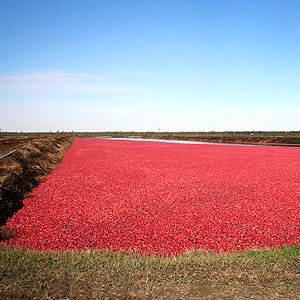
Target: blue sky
(149,64)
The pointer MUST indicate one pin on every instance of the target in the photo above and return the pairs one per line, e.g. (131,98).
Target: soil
(25,168)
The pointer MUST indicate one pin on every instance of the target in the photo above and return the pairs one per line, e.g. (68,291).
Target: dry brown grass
(8,165)
(44,152)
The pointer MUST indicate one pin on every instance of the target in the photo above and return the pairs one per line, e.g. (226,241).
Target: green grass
(260,274)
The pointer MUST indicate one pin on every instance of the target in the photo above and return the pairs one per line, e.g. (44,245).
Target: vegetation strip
(254,274)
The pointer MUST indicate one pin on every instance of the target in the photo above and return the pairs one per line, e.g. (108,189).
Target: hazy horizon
(149,65)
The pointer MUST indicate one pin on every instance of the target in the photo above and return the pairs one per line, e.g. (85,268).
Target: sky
(149,65)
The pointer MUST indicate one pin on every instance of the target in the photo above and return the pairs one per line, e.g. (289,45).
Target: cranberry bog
(188,209)
(163,199)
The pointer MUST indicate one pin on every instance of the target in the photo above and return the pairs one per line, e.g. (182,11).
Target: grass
(253,274)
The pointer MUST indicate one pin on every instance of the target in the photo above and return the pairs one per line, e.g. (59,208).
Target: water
(195,142)
(175,141)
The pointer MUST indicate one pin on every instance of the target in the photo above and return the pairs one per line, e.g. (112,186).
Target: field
(162,199)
